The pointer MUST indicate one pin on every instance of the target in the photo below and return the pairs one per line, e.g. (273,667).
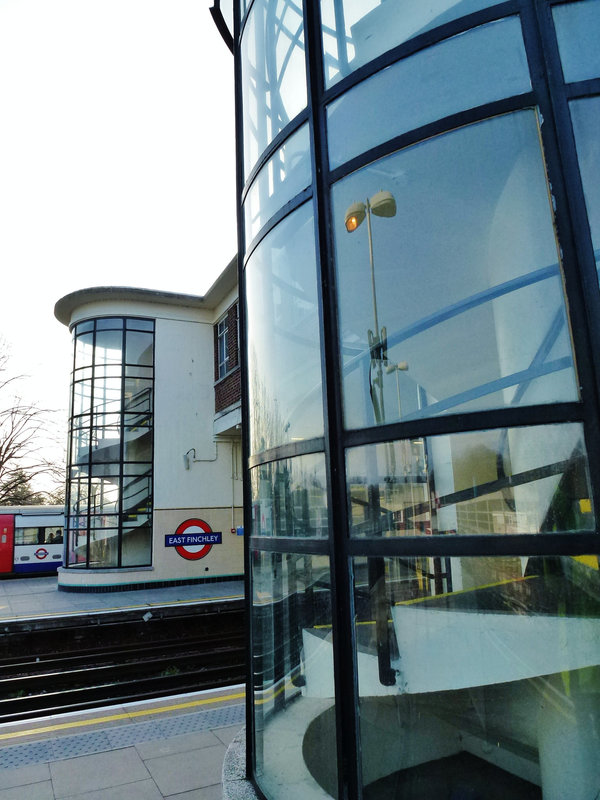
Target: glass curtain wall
(419,225)
(109,502)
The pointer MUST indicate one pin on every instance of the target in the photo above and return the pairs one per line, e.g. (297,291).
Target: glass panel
(137,546)
(137,494)
(80,443)
(273,73)
(83,327)
(510,480)
(109,324)
(286,174)
(293,669)
(289,498)
(138,395)
(77,541)
(138,441)
(104,498)
(139,324)
(578,33)
(108,370)
(139,372)
(102,420)
(104,521)
(107,394)
(84,350)
(283,328)
(106,444)
(104,548)
(467,247)
(357,31)
(105,470)
(82,397)
(109,347)
(139,348)
(486,64)
(478,677)
(78,497)
(586,124)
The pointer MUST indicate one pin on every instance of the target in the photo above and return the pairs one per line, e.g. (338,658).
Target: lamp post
(382,204)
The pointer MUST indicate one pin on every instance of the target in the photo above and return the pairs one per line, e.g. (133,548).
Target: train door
(7,538)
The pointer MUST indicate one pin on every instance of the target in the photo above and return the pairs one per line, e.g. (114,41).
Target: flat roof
(226,281)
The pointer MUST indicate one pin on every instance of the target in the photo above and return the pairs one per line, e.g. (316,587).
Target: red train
(31,539)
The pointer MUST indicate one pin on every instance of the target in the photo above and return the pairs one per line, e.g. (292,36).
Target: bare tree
(24,429)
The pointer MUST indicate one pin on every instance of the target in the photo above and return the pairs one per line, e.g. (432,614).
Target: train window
(38,535)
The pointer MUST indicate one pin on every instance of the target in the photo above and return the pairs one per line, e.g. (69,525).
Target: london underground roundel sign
(193,539)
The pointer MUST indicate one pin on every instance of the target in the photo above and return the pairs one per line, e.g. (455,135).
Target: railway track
(75,663)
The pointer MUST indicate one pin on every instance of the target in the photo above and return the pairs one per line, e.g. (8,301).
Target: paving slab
(183,772)
(98,771)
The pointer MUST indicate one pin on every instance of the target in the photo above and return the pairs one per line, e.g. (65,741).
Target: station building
(419,230)
(154,490)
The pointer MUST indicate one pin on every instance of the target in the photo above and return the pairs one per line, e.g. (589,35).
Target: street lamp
(382,204)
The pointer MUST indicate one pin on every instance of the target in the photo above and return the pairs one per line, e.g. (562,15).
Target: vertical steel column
(344,636)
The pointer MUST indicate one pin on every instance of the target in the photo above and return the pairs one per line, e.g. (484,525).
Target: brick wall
(228,390)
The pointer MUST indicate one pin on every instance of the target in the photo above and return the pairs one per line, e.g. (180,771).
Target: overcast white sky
(117,162)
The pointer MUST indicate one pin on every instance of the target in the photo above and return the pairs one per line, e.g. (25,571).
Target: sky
(117,164)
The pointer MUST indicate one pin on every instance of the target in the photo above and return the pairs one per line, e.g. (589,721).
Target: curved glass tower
(420,234)
(109,489)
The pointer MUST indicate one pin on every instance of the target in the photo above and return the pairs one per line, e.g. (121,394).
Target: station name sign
(175,540)
(193,539)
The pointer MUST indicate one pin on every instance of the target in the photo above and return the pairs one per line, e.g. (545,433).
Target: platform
(25,598)
(167,749)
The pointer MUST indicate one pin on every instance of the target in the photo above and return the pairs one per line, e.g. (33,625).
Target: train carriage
(31,539)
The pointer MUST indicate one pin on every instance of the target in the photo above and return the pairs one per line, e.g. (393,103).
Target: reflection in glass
(139,348)
(104,497)
(84,350)
(289,498)
(357,31)
(283,331)
(273,87)
(485,64)
(107,394)
(471,250)
(515,480)
(292,637)
(586,124)
(578,33)
(108,348)
(137,545)
(491,672)
(285,175)
(104,548)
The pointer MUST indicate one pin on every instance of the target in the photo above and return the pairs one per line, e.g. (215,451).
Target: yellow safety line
(146,712)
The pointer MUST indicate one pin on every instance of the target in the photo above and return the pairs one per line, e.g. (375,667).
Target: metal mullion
(349,773)
(305,447)
(438,127)
(586,88)
(525,416)
(89,457)
(246,487)
(570,214)
(524,544)
(122,448)
(289,544)
(69,532)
